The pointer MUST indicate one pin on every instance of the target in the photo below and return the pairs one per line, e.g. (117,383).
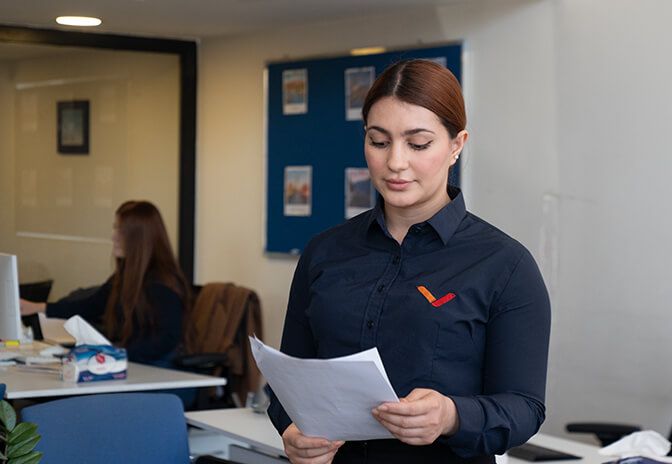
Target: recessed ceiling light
(83,21)
(367,51)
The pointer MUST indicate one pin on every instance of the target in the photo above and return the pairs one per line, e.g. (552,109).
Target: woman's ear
(458,143)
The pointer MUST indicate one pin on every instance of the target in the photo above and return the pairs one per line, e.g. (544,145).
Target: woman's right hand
(28,307)
(301,449)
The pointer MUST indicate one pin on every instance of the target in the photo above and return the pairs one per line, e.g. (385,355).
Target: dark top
(151,347)
(478,332)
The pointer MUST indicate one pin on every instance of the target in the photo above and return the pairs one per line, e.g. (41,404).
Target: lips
(397,184)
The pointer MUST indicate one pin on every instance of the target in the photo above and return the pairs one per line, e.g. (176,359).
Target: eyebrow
(406,132)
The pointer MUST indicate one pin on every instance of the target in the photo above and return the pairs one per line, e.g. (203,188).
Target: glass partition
(81,131)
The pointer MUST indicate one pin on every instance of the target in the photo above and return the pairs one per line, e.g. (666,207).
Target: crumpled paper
(647,443)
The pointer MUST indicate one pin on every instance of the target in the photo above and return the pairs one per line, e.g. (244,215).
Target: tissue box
(88,363)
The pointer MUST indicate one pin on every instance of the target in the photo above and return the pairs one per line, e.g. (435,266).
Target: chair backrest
(36,291)
(133,428)
(223,316)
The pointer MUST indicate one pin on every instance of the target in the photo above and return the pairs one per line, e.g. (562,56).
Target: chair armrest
(605,432)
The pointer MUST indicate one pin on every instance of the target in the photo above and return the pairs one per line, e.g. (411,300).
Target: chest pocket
(432,345)
(460,342)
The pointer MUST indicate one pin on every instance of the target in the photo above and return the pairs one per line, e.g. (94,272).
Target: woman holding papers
(457,309)
(141,307)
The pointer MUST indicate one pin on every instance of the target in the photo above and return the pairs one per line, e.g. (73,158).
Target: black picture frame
(73,127)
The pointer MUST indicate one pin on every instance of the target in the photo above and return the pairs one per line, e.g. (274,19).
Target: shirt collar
(445,222)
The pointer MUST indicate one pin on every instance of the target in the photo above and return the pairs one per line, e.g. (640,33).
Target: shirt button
(396,260)
(381,288)
(369,324)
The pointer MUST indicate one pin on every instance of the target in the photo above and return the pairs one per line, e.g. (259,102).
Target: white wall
(612,341)
(568,104)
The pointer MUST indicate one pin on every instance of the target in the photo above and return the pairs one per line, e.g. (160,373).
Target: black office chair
(35,291)
(606,433)
(210,327)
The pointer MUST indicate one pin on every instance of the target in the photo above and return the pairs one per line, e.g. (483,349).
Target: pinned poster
(298,190)
(439,60)
(295,91)
(358,81)
(359,192)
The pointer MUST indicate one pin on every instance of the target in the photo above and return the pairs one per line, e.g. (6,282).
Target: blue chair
(133,428)
(3,387)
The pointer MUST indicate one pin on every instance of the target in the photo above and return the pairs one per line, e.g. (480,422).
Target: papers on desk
(330,398)
(53,330)
(31,353)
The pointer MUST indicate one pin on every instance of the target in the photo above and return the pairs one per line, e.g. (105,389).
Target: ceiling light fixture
(82,21)
(367,51)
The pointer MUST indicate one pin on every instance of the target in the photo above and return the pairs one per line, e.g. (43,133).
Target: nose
(397,159)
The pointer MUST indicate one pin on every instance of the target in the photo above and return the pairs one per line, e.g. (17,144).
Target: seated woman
(143,304)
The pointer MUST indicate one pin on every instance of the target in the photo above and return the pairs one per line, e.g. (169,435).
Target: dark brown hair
(423,83)
(147,259)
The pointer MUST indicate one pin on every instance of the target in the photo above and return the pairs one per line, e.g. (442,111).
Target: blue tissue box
(89,363)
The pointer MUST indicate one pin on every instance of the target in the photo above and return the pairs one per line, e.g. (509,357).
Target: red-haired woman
(143,305)
(457,309)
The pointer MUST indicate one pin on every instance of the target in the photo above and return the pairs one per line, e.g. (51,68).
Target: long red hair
(147,259)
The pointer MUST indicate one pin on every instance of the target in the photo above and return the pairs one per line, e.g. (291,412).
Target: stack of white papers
(329,398)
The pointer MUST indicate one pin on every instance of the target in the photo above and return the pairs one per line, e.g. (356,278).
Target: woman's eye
(377,144)
(418,147)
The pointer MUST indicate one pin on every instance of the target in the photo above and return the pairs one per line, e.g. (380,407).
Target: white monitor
(10,311)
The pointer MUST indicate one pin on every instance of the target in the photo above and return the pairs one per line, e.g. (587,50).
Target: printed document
(329,398)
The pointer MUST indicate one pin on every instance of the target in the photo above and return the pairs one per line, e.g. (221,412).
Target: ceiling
(197,18)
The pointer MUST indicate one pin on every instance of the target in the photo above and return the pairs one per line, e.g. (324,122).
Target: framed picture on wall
(73,127)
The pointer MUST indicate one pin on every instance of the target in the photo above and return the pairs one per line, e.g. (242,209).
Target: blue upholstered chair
(133,428)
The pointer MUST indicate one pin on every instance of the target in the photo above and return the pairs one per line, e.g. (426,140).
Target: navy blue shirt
(459,307)
(155,347)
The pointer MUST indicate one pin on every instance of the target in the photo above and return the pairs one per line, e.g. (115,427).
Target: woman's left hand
(420,418)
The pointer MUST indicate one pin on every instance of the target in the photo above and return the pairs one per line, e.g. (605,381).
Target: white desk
(245,425)
(257,431)
(23,384)
(587,452)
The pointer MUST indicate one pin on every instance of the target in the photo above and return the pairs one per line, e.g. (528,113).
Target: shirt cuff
(470,413)
(49,309)
(278,417)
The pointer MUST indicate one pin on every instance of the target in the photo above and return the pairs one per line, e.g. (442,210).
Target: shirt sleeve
(297,336)
(165,337)
(90,307)
(511,408)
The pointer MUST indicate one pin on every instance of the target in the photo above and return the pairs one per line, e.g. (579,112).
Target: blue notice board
(310,128)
